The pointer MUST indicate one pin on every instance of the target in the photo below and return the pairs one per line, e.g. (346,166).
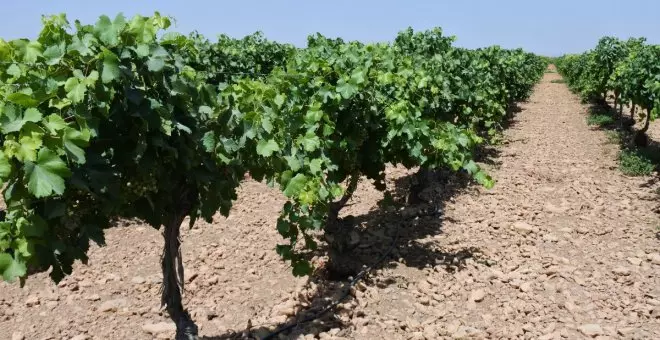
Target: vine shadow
(637,151)
(399,232)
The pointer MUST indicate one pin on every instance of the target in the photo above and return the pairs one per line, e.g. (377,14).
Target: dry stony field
(563,247)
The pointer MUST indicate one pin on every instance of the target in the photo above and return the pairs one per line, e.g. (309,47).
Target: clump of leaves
(635,163)
(558,81)
(600,119)
(613,137)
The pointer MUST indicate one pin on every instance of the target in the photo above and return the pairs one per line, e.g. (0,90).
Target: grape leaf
(347,90)
(74,141)
(156,61)
(14,70)
(110,67)
(208,141)
(53,54)
(471,167)
(5,166)
(310,142)
(11,268)
(108,31)
(54,123)
(295,185)
(279,100)
(32,115)
(33,50)
(266,148)
(75,90)
(22,99)
(313,116)
(83,46)
(46,175)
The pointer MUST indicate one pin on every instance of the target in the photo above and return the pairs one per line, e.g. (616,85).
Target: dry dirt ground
(564,246)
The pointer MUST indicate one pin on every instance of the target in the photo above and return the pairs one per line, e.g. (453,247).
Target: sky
(548,28)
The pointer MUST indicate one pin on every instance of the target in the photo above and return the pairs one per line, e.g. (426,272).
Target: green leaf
(22,99)
(54,53)
(5,167)
(336,190)
(483,179)
(293,162)
(83,46)
(59,103)
(315,165)
(463,140)
(32,115)
(142,28)
(346,90)
(266,148)
(207,110)
(55,123)
(29,144)
(295,185)
(328,130)
(108,31)
(183,128)
(33,51)
(26,148)
(92,78)
(156,61)
(313,116)
(357,77)
(310,142)
(75,90)
(14,71)
(208,141)
(10,121)
(31,228)
(142,50)
(74,141)
(23,248)
(110,67)
(471,167)
(279,100)
(267,125)
(46,175)
(11,268)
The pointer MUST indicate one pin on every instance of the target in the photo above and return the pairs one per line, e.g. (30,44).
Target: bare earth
(564,246)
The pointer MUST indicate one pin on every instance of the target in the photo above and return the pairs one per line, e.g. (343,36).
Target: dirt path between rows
(564,246)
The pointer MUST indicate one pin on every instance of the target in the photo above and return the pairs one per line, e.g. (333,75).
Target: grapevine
(123,119)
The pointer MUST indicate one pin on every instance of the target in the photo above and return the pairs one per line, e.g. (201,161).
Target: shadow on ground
(395,234)
(639,155)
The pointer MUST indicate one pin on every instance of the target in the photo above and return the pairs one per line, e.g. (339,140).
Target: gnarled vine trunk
(340,231)
(641,139)
(336,207)
(419,181)
(647,121)
(172,266)
(616,102)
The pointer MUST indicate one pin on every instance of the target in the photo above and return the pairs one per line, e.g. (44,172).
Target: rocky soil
(564,247)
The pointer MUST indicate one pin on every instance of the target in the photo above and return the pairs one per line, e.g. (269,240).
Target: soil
(564,246)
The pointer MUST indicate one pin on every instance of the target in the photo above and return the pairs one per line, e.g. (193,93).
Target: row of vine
(120,120)
(628,71)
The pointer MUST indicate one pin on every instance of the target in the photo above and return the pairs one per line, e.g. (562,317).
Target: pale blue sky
(545,27)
